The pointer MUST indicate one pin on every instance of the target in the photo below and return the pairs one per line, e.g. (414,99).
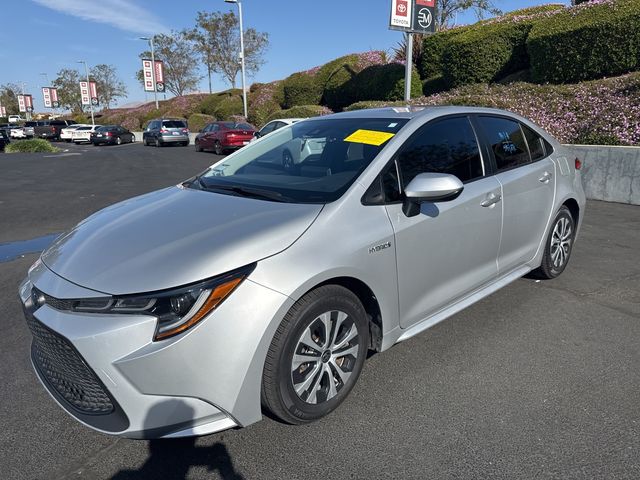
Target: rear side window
(445,146)
(506,141)
(535,142)
(173,124)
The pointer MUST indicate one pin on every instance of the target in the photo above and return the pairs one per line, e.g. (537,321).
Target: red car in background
(224,136)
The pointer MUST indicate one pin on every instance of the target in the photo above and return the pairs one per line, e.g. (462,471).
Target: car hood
(174,237)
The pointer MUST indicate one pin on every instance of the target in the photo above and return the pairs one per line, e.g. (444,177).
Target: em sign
(416,16)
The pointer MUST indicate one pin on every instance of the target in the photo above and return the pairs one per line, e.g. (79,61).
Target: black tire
(118,141)
(217,148)
(563,230)
(157,143)
(287,159)
(198,147)
(278,393)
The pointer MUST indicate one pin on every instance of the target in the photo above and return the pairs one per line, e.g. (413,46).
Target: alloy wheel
(561,242)
(324,357)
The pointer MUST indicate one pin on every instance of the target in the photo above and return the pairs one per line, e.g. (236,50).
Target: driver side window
(443,146)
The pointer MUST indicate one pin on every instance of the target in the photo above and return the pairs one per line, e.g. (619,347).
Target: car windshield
(314,161)
(173,124)
(237,126)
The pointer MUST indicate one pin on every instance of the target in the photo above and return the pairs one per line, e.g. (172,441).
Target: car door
(450,248)
(528,187)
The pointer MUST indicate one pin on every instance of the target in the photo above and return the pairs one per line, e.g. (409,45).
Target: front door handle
(546,176)
(491,199)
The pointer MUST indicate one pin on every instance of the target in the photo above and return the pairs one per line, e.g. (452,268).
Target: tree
(447,10)
(109,86)
(217,39)
(9,97)
(180,62)
(68,84)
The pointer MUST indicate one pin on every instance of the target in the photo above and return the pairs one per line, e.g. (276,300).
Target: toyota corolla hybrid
(261,284)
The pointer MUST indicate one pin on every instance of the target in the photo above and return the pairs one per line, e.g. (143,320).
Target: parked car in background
(112,135)
(223,136)
(16,132)
(166,131)
(51,129)
(4,139)
(274,125)
(29,127)
(255,286)
(66,132)
(83,134)
(15,119)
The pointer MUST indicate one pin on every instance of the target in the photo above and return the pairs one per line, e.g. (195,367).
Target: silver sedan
(261,284)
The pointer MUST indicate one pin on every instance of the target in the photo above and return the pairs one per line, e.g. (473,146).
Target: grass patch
(35,145)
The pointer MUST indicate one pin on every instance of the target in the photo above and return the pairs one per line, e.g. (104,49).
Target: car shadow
(172,458)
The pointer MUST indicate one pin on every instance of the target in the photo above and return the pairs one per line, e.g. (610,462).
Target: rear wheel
(217,148)
(287,159)
(118,141)
(198,147)
(316,355)
(158,144)
(559,245)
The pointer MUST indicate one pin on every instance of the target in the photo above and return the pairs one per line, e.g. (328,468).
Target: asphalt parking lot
(540,380)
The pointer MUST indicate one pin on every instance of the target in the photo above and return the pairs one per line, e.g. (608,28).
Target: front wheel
(287,159)
(558,246)
(118,141)
(316,355)
(198,147)
(217,148)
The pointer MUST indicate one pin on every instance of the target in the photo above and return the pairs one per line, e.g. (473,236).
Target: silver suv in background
(164,131)
(263,284)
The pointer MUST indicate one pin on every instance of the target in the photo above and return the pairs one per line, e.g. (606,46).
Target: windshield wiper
(247,191)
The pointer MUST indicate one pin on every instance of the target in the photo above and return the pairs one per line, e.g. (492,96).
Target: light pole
(244,90)
(153,69)
(86,71)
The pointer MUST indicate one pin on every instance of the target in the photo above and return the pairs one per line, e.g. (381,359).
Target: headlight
(177,310)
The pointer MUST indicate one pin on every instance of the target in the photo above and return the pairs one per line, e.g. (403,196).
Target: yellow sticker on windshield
(370,137)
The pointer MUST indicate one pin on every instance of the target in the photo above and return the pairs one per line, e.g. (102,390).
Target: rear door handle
(491,199)
(546,176)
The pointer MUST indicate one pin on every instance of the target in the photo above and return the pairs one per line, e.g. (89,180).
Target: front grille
(65,371)
(57,303)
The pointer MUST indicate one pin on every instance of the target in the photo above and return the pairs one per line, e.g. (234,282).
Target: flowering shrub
(597,112)
(265,100)
(300,111)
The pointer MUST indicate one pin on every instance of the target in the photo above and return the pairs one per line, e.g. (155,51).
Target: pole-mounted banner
(93,93)
(84,93)
(46,97)
(21,105)
(28,103)
(53,92)
(159,76)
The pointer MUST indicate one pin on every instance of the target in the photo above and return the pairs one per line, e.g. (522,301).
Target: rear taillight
(164,130)
(185,130)
(578,163)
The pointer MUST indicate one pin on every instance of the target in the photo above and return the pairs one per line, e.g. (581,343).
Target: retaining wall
(610,173)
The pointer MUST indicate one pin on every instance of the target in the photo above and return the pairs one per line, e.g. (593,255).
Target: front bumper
(203,381)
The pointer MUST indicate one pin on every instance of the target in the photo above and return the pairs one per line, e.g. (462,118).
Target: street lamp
(244,90)
(86,70)
(153,69)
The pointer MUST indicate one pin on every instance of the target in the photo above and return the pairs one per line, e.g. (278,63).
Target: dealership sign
(50,97)
(25,103)
(148,75)
(89,93)
(417,16)
(21,106)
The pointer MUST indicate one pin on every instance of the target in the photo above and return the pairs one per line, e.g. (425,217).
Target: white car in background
(274,125)
(17,132)
(83,134)
(66,133)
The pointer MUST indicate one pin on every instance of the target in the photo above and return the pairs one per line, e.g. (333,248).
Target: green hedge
(300,111)
(432,49)
(434,85)
(586,42)
(301,89)
(377,82)
(486,54)
(197,121)
(35,145)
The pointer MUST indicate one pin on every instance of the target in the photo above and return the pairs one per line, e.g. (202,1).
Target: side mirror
(430,187)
